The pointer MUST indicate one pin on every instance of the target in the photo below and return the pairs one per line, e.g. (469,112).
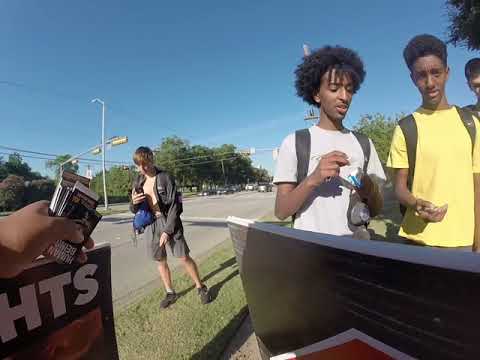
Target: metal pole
(103,158)
(224,178)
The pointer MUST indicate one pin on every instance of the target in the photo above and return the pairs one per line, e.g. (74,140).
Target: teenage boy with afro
(327,78)
(441,191)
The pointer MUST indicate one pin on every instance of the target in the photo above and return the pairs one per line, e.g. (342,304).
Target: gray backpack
(410,133)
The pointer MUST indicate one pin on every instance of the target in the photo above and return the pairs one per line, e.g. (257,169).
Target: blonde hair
(143,156)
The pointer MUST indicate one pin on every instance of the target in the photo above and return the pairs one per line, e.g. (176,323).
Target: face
(335,94)
(144,169)
(474,84)
(430,76)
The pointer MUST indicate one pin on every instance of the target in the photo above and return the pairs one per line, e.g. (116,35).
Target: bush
(39,190)
(12,191)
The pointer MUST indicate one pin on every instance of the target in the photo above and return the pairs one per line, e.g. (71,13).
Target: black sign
(54,311)
(304,288)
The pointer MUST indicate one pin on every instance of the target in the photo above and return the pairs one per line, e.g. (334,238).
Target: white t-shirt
(326,209)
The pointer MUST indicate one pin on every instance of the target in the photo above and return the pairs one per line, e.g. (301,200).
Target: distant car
(264,187)
(207,193)
(226,190)
(250,187)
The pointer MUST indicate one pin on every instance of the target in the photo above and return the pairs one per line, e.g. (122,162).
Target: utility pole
(224,178)
(105,198)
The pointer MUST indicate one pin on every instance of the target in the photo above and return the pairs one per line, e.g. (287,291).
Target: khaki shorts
(177,242)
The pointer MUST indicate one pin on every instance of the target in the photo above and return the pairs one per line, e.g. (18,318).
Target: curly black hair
(472,68)
(424,45)
(309,73)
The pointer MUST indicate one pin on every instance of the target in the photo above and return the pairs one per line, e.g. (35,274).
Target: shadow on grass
(217,345)
(226,264)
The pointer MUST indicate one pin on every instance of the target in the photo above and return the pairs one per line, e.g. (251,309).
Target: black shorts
(176,242)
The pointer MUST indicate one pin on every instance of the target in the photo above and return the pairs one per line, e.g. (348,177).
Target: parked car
(250,187)
(264,187)
(225,190)
(207,193)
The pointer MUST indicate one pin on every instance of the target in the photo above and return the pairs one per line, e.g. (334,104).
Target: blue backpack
(143,217)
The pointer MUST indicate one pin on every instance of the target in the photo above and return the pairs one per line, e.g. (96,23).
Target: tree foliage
(12,190)
(464,26)
(380,130)
(55,165)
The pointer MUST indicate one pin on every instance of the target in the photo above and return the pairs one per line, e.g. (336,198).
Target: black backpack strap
(410,133)
(365,144)
(302,149)
(469,123)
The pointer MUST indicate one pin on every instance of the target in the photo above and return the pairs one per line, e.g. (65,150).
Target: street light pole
(103,152)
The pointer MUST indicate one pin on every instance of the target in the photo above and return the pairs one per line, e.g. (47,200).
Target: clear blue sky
(211,72)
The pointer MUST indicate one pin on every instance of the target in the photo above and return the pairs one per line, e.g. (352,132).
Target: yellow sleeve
(398,158)
(476,149)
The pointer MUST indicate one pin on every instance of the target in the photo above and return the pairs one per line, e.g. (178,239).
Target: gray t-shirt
(326,209)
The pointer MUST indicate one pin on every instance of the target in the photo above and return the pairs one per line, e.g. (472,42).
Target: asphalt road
(134,274)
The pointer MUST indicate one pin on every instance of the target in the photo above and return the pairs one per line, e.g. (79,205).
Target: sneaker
(169,299)
(205,296)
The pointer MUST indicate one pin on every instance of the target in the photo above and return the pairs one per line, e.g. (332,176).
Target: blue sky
(212,72)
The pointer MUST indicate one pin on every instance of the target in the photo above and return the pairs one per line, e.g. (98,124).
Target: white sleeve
(375,167)
(286,167)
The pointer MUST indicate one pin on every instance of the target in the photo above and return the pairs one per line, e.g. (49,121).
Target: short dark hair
(424,45)
(472,68)
(309,73)
(143,156)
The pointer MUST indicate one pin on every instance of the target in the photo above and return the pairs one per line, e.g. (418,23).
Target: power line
(207,162)
(56,155)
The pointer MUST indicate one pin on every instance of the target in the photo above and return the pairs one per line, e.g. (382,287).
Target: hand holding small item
(429,212)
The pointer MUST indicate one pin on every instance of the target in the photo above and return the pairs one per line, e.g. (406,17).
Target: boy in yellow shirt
(437,174)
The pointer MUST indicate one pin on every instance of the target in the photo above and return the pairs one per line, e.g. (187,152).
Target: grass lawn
(186,330)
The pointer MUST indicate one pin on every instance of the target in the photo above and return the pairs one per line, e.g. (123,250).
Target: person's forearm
(405,197)
(288,204)
(476,238)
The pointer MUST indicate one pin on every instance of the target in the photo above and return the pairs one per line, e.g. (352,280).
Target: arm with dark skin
(476,240)
(425,209)
(291,197)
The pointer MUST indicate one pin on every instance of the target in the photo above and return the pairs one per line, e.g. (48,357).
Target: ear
(447,72)
(316,97)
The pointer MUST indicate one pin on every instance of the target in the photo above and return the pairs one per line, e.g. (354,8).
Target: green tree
(261,175)
(16,166)
(380,130)
(3,169)
(170,156)
(464,28)
(56,163)
(12,193)
(119,183)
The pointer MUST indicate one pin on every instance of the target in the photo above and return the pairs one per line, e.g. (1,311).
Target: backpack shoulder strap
(467,119)
(302,149)
(365,144)
(410,133)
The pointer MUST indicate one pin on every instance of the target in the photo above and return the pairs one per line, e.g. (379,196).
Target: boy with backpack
(472,73)
(154,190)
(313,164)
(435,157)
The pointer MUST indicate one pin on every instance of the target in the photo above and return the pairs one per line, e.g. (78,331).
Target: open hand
(429,212)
